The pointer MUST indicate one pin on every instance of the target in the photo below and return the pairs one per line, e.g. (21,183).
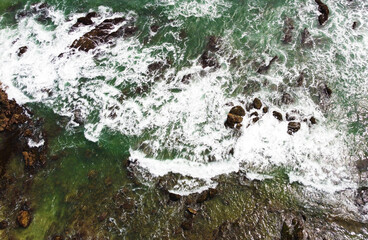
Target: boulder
(24,218)
(355,25)
(174,197)
(323,9)
(265,110)
(313,120)
(238,110)
(277,115)
(257,103)
(233,119)
(22,50)
(293,127)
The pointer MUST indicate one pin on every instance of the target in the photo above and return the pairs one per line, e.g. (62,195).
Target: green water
(83,180)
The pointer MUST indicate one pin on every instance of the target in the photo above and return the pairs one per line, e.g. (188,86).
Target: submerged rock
(3,225)
(323,9)
(286,98)
(265,67)
(306,38)
(288,30)
(293,127)
(208,60)
(24,218)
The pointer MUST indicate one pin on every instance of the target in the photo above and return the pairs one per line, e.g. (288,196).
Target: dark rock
(208,60)
(362,165)
(233,119)
(355,25)
(286,98)
(91,15)
(257,103)
(102,34)
(361,199)
(153,67)
(265,109)
(203,196)
(306,39)
(313,120)
(58,238)
(154,28)
(288,30)
(254,114)
(78,117)
(174,197)
(24,218)
(323,9)
(212,192)
(187,225)
(3,224)
(293,127)
(285,232)
(325,91)
(300,80)
(265,67)
(238,110)
(213,44)
(256,119)
(183,34)
(249,106)
(277,115)
(84,21)
(22,50)
(186,78)
(130,31)
(290,117)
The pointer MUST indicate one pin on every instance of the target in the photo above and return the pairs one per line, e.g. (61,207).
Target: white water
(189,119)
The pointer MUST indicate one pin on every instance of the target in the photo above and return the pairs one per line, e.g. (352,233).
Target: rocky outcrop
(85,21)
(323,9)
(104,33)
(235,117)
(208,58)
(22,50)
(265,67)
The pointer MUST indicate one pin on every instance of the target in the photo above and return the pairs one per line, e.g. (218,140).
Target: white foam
(32,143)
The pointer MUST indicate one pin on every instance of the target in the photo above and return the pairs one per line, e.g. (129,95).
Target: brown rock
(323,9)
(313,120)
(233,119)
(293,127)
(174,197)
(238,110)
(257,103)
(256,119)
(29,158)
(265,109)
(192,211)
(277,115)
(24,218)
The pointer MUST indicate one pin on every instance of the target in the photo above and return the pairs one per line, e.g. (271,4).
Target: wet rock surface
(104,33)
(288,30)
(24,218)
(293,127)
(265,67)
(323,9)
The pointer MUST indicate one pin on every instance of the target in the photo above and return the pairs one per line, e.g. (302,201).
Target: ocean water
(103,116)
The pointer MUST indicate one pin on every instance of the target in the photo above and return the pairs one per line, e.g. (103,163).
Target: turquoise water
(97,116)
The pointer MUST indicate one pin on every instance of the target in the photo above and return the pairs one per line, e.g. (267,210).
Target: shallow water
(178,127)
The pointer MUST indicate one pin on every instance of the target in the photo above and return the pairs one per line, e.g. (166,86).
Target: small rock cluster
(237,113)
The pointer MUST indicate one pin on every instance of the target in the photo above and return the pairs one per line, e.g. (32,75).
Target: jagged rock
(22,50)
(293,127)
(154,67)
(325,91)
(238,110)
(208,60)
(233,119)
(103,33)
(277,115)
(355,25)
(213,44)
(323,9)
(265,109)
(362,165)
(256,119)
(186,78)
(288,30)
(254,114)
(24,218)
(174,197)
(306,38)
(265,67)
